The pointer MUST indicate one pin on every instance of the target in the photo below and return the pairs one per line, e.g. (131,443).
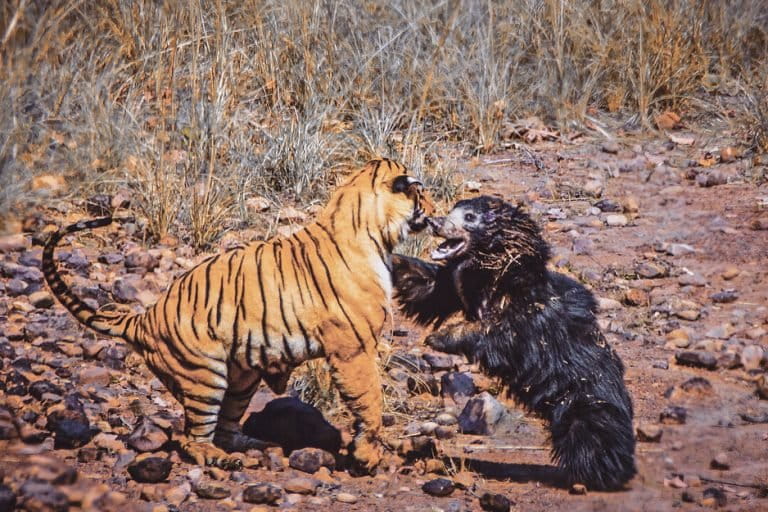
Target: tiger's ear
(405,184)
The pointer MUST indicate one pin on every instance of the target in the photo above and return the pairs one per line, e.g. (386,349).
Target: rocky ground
(672,236)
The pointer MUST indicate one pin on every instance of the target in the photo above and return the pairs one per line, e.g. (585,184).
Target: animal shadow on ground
(546,474)
(292,424)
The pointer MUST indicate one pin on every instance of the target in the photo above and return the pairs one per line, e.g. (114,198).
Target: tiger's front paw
(366,456)
(206,454)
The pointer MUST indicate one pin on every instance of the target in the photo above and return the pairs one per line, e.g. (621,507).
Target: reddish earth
(722,244)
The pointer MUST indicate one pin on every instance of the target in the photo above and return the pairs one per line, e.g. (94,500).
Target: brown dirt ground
(716,221)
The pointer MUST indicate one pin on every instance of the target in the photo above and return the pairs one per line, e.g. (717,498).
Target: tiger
(255,312)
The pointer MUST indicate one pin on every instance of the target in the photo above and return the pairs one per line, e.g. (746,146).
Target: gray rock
(7,499)
(15,287)
(697,359)
(481,415)
(111,258)
(309,460)
(611,147)
(147,436)
(752,357)
(725,296)
(262,493)
(41,496)
(456,385)
(495,502)
(140,260)
(439,362)
(720,461)
(150,470)
(616,220)
(13,243)
(608,206)
(211,490)
(649,270)
(583,245)
(438,487)
(714,496)
(694,279)
(673,415)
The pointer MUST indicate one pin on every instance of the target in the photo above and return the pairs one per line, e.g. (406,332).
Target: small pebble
(345,497)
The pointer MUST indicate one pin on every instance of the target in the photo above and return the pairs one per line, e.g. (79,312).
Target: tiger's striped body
(255,313)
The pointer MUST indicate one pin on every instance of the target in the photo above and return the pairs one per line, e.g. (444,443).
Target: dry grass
(197,106)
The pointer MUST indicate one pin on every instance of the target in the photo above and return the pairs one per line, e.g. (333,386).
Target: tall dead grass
(198,105)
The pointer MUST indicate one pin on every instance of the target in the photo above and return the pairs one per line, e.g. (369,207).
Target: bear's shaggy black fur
(534,328)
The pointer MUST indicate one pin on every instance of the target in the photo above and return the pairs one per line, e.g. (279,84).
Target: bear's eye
(470,217)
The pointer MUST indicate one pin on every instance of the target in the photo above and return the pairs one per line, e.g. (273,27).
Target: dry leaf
(683,140)
(708,160)
(728,154)
(667,120)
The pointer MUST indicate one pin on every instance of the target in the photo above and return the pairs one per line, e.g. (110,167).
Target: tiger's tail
(113,323)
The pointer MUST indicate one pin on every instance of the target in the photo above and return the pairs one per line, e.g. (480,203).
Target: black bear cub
(533,328)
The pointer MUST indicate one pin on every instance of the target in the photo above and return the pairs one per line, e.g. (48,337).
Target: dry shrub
(276,98)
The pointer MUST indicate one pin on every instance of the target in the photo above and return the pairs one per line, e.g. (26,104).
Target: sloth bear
(533,328)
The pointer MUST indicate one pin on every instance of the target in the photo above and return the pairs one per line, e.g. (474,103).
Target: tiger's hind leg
(357,378)
(242,386)
(202,399)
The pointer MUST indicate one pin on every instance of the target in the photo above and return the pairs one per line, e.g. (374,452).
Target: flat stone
(688,314)
(752,357)
(730,272)
(608,205)
(697,359)
(679,338)
(493,502)
(611,147)
(177,495)
(211,490)
(720,461)
(262,493)
(345,497)
(41,299)
(635,297)
(302,485)
(446,419)
(439,362)
(140,260)
(673,414)
(649,270)
(713,497)
(309,460)
(438,487)
(616,220)
(13,243)
(647,433)
(724,296)
(94,375)
(608,304)
(691,280)
(150,470)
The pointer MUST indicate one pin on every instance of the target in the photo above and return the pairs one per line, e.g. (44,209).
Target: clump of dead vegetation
(197,106)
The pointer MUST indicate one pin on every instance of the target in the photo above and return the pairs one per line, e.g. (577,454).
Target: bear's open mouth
(448,249)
